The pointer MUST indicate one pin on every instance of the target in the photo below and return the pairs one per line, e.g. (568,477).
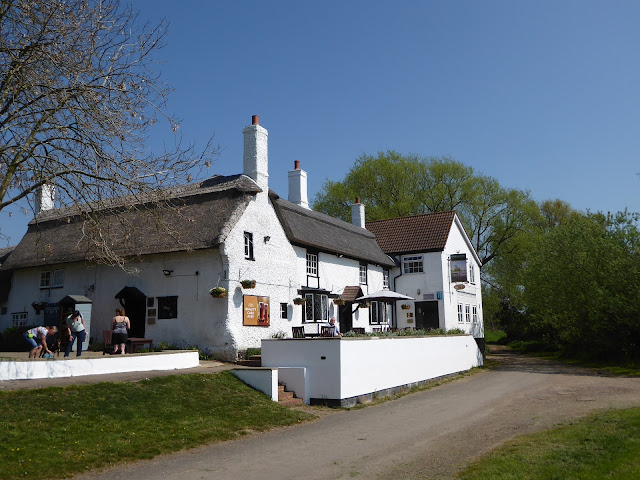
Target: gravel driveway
(429,434)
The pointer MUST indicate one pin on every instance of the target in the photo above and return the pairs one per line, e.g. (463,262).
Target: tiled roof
(418,233)
(350,293)
(316,230)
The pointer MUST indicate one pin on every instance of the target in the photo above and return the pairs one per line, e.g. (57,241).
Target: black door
(346,320)
(427,315)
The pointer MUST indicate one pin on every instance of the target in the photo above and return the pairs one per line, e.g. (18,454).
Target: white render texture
(357,215)
(264,380)
(45,196)
(256,155)
(340,368)
(298,188)
(21,370)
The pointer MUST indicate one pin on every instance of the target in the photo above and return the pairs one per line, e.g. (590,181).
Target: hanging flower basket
(218,292)
(299,301)
(339,301)
(365,305)
(248,283)
(404,306)
(38,306)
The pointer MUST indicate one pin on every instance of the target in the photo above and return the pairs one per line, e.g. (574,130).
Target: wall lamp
(167,273)
(267,238)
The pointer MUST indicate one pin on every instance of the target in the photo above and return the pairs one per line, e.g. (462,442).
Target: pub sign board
(256,311)
(459,267)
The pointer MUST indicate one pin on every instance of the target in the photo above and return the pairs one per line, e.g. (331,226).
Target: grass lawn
(61,431)
(606,445)
(494,336)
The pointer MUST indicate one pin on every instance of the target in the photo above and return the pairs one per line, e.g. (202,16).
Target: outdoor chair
(108,346)
(327,331)
(298,332)
(359,330)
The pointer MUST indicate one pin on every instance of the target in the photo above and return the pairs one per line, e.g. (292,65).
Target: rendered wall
(342,368)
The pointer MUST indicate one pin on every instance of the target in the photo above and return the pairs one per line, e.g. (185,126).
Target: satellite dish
(459,286)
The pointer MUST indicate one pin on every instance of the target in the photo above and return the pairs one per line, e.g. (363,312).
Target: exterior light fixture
(267,238)
(167,273)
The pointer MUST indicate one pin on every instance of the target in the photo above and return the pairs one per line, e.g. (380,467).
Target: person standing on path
(77,329)
(120,324)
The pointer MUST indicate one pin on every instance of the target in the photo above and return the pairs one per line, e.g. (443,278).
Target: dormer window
(312,264)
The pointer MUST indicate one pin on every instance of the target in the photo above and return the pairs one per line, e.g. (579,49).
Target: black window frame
(165,306)
(248,246)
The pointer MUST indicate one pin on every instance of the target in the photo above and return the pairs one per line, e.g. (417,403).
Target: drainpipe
(393,313)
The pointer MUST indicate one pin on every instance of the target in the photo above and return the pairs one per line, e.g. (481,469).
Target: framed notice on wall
(256,311)
(459,268)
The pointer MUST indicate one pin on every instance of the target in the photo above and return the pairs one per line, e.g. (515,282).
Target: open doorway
(345,317)
(134,303)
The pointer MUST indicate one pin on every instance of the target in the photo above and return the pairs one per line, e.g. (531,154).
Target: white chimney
(45,195)
(256,154)
(298,186)
(357,213)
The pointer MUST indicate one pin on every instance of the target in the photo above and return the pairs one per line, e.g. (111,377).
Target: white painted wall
(264,380)
(340,368)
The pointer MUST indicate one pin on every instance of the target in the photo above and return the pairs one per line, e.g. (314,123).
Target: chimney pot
(296,164)
(255,120)
(357,199)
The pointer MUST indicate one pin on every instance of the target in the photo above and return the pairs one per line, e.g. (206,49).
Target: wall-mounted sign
(459,286)
(459,267)
(256,311)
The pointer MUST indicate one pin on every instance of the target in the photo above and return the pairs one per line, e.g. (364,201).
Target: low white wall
(342,368)
(296,380)
(264,380)
(28,370)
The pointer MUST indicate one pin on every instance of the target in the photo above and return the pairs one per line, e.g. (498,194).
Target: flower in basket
(299,301)
(339,301)
(248,283)
(218,292)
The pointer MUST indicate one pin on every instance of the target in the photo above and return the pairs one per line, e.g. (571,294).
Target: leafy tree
(393,185)
(78,95)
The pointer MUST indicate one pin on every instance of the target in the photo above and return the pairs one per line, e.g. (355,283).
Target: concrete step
(287,399)
(250,363)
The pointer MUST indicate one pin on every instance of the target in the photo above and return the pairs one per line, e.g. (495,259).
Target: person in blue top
(336,330)
(77,329)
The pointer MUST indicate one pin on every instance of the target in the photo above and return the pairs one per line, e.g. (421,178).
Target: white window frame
(412,264)
(474,314)
(467,313)
(316,308)
(312,264)
(385,279)
(19,319)
(45,279)
(460,315)
(57,279)
(472,273)
(362,274)
(248,246)
(378,313)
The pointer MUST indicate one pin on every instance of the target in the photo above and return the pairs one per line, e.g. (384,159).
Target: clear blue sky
(541,95)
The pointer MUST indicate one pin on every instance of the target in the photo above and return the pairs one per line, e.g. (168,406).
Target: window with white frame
(363,274)
(52,279)
(467,313)
(385,278)
(472,273)
(316,308)
(19,319)
(248,246)
(312,264)
(412,264)
(474,314)
(460,316)
(378,312)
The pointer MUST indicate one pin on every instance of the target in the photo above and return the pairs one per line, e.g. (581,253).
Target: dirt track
(431,434)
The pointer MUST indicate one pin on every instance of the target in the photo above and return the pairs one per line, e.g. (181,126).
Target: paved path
(430,434)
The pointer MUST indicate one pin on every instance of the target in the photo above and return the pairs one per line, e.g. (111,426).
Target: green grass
(605,445)
(67,430)
(494,336)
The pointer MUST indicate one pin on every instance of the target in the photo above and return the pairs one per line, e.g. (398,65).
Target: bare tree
(79,91)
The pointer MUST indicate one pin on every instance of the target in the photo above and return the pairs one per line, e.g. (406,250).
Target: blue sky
(541,95)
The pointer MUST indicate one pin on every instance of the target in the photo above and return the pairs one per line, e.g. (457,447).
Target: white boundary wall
(343,368)
(33,369)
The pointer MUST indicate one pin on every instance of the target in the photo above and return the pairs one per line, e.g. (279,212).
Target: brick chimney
(357,213)
(256,154)
(298,186)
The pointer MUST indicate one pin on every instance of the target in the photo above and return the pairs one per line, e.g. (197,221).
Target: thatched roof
(5,275)
(199,216)
(315,230)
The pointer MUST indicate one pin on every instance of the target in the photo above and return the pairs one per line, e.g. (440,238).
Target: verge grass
(61,431)
(604,445)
